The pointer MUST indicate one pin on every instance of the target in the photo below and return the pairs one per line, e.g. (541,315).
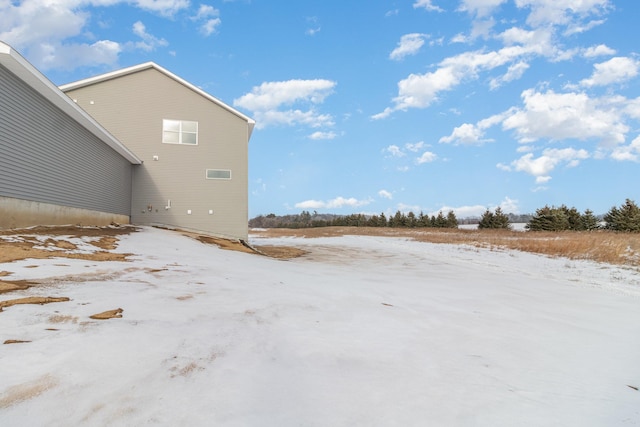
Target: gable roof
(26,72)
(147,65)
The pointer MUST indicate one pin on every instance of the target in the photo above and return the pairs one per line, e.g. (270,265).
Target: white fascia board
(136,68)
(26,72)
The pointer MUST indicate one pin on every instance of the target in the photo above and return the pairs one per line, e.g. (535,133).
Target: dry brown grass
(600,246)
(30,247)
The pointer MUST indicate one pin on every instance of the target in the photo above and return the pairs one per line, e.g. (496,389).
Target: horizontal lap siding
(179,174)
(45,156)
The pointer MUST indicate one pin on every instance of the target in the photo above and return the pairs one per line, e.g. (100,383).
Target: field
(127,326)
(600,246)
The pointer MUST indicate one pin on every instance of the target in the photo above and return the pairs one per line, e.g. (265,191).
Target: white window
(218,174)
(179,132)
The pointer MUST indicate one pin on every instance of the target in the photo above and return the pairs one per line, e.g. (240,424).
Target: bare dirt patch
(26,391)
(15,341)
(31,300)
(233,245)
(109,314)
(62,318)
(14,285)
(280,252)
(23,244)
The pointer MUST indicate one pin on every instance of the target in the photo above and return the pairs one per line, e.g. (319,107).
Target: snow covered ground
(362,331)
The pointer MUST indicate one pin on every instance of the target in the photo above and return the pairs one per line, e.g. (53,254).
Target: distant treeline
(306,219)
(624,218)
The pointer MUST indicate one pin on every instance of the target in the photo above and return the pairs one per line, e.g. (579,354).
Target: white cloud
(509,205)
(323,135)
(312,31)
(270,95)
(291,117)
(514,72)
(394,150)
(337,203)
(615,70)
(208,16)
(315,28)
(421,90)
(69,56)
(562,12)
(428,5)
(629,152)
(578,27)
(149,42)
(559,116)
(460,38)
(385,194)
(542,166)
(470,134)
(414,147)
(409,44)
(480,8)
(460,211)
(465,134)
(210,26)
(266,100)
(162,7)
(43,31)
(538,40)
(599,50)
(426,157)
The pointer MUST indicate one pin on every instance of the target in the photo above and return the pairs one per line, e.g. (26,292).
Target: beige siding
(132,108)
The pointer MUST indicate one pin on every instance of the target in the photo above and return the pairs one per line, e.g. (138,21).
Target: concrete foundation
(16,213)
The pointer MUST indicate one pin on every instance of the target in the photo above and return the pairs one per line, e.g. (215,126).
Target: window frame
(180,132)
(206,174)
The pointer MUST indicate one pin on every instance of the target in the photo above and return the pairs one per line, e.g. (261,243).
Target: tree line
(625,218)
(400,219)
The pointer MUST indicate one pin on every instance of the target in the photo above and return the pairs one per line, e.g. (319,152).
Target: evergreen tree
(423,220)
(383,220)
(411,220)
(494,220)
(452,221)
(486,220)
(574,219)
(589,221)
(625,218)
(440,221)
(548,219)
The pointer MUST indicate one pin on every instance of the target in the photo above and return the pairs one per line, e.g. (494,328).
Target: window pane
(171,137)
(171,125)
(189,138)
(218,174)
(190,127)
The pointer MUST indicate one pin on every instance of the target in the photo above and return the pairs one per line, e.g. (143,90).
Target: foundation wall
(16,213)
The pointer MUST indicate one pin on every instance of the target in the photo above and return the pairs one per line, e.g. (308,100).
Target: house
(189,164)
(194,147)
(58,165)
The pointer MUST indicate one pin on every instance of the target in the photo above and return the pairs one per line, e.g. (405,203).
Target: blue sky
(377,106)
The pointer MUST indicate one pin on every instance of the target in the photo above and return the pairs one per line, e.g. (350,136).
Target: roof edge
(147,65)
(26,72)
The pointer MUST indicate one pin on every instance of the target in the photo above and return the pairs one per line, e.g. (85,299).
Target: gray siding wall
(45,156)
(132,108)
